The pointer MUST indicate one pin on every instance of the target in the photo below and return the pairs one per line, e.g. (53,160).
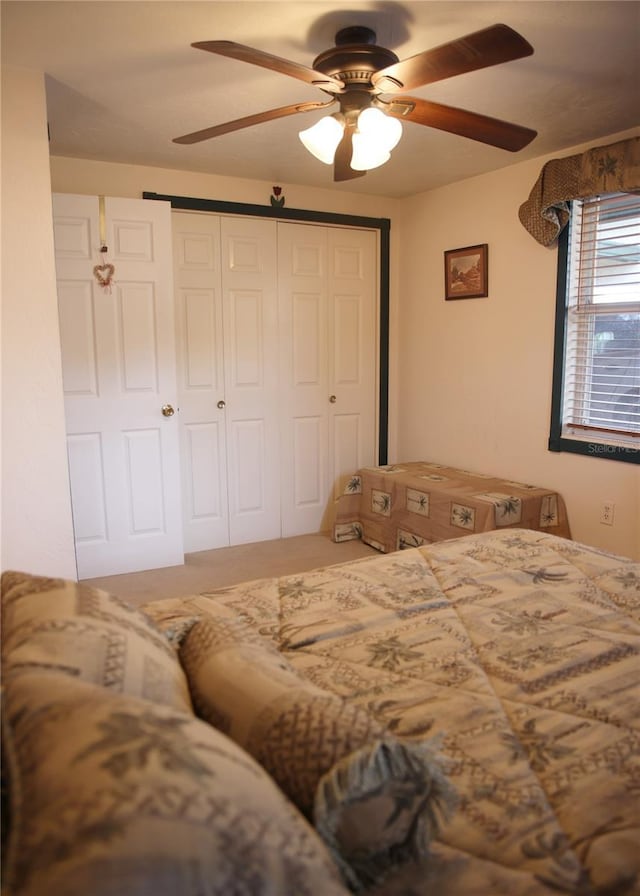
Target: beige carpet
(228,566)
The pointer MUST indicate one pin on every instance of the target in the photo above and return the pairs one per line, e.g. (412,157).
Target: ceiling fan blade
(275,63)
(342,169)
(218,129)
(492,131)
(490,46)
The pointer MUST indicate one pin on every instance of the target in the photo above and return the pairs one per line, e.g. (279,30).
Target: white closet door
(353,353)
(328,307)
(227,333)
(304,366)
(251,350)
(200,347)
(118,360)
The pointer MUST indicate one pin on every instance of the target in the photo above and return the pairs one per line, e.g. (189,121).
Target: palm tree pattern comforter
(518,653)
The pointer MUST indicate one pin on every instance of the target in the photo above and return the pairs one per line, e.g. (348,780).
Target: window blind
(601,391)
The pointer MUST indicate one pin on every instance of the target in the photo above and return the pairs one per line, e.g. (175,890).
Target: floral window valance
(603,169)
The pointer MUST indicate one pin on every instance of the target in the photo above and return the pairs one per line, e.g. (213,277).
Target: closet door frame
(382,225)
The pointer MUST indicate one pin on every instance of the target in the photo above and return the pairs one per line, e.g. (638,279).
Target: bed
(514,652)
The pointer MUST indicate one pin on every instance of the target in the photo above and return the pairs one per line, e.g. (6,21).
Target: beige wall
(36,514)
(94,178)
(476,374)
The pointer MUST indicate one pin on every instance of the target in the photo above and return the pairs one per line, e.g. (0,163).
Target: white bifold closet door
(277,356)
(328,385)
(227,330)
(118,367)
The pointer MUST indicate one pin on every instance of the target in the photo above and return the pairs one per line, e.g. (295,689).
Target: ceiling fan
(364,78)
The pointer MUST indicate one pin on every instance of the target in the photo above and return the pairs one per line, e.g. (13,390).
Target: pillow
(380,807)
(373,799)
(245,687)
(115,795)
(89,634)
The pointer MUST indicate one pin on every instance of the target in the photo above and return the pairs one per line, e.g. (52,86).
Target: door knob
(167,410)
(332,399)
(222,404)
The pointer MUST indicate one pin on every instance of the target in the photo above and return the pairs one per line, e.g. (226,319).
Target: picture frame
(466,272)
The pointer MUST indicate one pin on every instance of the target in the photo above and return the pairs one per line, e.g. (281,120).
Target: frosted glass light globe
(322,138)
(368,153)
(380,127)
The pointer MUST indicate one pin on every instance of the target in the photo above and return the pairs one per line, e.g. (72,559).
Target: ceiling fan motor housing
(355,58)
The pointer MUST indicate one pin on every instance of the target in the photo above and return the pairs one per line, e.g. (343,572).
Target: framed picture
(466,272)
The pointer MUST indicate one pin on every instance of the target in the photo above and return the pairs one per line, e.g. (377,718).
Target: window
(596,382)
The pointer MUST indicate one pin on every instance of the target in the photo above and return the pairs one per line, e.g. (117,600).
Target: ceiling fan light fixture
(322,138)
(368,153)
(380,127)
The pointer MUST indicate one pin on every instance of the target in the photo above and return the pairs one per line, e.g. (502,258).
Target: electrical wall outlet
(606,513)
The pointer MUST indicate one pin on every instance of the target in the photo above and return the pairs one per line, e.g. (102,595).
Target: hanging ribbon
(103,272)
(102,218)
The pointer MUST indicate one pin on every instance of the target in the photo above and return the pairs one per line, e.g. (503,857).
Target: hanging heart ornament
(103,273)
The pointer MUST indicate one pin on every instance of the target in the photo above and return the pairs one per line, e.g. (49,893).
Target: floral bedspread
(520,652)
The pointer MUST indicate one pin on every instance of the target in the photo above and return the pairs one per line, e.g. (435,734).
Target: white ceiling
(122,80)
